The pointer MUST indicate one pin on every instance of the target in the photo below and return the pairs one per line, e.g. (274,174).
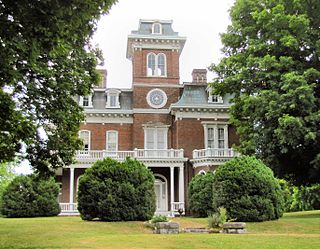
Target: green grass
(295,230)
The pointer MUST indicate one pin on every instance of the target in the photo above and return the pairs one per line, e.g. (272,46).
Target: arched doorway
(160,188)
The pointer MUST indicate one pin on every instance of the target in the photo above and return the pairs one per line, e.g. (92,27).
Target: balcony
(212,156)
(91,156)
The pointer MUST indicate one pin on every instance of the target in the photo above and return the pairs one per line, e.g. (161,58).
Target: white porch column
(71,187)
(181,184)
(171,186)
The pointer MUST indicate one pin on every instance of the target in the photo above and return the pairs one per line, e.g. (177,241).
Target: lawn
(295,230)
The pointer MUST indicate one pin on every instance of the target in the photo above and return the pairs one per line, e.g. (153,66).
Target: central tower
(154,50)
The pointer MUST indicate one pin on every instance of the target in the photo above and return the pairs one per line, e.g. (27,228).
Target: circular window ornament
(157,98)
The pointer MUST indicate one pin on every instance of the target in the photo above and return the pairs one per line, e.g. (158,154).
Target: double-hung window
(85,136)
(86,101)
(155,140)
(113,98)
(112,141)
(216,137)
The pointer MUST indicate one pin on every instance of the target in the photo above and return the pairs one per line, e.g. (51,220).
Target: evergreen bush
(200,195)
(30,196)
(116,191)
(248,190)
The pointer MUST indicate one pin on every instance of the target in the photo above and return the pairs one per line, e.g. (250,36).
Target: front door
(160,188)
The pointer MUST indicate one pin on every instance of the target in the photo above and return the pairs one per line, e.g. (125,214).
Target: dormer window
(214,98)
(86,101)
(156,65)
(113,98)
(156,28)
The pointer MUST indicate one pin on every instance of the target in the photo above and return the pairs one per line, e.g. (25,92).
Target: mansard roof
(145,27)
(193,95)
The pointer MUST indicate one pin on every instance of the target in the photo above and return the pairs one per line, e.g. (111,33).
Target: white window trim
(90,104)
(215,126)
(113,92)
(165,98)
(117,139)
(89,142)
(153,30)
(202,172)
(211,97)
(165,128)
(156,65)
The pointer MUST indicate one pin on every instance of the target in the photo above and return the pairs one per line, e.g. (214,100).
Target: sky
(199,21)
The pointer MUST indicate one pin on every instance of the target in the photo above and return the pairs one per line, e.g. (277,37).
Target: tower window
(156,64)
(156,28)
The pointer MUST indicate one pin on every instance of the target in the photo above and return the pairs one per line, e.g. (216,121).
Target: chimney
(199,76)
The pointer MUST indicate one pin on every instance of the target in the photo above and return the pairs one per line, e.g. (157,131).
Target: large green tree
(271,65)
(45,60)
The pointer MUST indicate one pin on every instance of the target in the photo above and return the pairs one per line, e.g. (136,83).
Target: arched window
(112,140)
(151,64)
(85,136)
(202,172)
(156,64)
(156,28)
(161,64)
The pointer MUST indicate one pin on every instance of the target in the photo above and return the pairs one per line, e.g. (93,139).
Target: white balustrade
(212,152)
(176,206)
(94,155)
(68,207)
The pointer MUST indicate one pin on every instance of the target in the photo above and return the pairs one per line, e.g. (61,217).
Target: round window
(157,98)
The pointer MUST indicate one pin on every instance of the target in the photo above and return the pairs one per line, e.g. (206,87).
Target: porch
(169,201)
(212,156)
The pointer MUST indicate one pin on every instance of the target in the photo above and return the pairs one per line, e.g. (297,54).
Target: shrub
(30,196)
(287,192)
(248,190)
(306,198)
(200,195)
(115,191)
(218,218)
(159,218)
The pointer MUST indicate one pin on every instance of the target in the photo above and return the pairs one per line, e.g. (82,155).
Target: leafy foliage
(306,198)
(115,191)
(200,195)
(6,176)
(46,59)
(248,190)
(272,68)
(217,219)
(159,218)
(30,196)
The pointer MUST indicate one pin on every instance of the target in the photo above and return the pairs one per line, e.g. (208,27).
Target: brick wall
(98,135)
(141,119)
(140,96)
(139,67)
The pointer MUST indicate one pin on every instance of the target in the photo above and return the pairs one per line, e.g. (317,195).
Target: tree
(248,190)
(30,196)
(46,60)
(200,195)
(272,68)
(117,191)
(6,176)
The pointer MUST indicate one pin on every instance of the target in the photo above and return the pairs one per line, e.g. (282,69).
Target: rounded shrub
(116,191)
(200,195)
(248,190)
(30,196)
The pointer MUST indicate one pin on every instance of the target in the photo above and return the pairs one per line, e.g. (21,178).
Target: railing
(122,155)
(211,152)
(147,153)
(177,206)
(68,207)
(100,154)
